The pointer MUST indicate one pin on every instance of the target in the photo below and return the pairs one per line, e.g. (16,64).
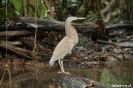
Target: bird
(65,46)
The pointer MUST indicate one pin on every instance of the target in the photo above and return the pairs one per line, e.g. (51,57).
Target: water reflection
(114,73)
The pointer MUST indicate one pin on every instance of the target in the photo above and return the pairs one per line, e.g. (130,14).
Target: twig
(111,43)
(3,75)
(21,51)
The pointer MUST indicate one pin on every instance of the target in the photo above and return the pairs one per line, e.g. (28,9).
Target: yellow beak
(78,18)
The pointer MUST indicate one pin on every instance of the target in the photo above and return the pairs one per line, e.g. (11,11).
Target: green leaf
(17,4)
(31,10)
(43,11)
(50,17)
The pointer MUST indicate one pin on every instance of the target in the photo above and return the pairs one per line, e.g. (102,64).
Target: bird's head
(70,19)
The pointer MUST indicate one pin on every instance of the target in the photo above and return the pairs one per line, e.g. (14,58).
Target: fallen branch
(119,26)
(14,33)
(122,45)
(23,52)
(45,25)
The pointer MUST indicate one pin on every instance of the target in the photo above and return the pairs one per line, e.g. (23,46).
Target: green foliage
(50,17)
(17,4)
(2,3)
(16,8)
(43,10)
(11,13)
(81,8)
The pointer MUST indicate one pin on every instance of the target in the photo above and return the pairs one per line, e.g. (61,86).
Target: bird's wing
(62,49)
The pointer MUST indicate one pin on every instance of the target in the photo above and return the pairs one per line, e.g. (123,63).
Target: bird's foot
(63,72)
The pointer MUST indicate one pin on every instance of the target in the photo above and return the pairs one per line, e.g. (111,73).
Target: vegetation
(59,10)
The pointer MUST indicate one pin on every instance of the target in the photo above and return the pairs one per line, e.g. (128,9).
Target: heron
(65,46)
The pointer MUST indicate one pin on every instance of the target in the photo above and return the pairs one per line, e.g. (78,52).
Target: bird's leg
(59,61)
(62,67)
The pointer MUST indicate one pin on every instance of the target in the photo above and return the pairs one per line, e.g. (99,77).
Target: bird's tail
(51,62)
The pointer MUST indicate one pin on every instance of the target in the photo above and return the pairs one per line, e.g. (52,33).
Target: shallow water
(112,74)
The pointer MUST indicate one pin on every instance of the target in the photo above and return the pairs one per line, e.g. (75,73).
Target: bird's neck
(71,32)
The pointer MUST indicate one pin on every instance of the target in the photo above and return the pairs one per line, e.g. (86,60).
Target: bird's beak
(78,18)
